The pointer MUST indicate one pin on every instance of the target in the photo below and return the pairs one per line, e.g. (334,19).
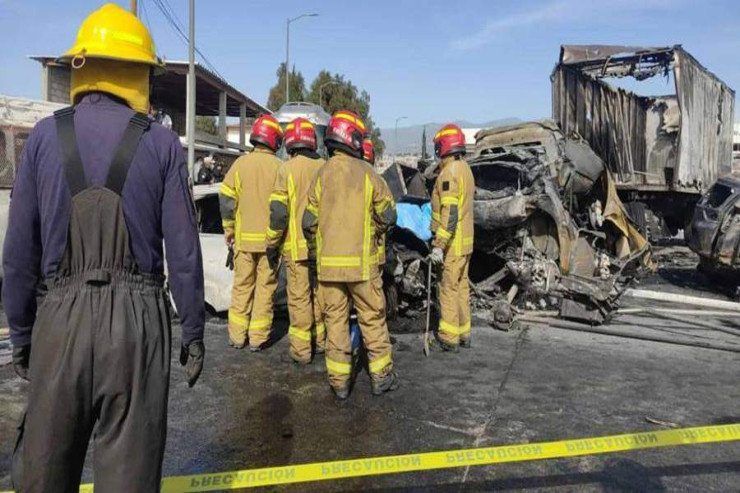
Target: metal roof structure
(170,90)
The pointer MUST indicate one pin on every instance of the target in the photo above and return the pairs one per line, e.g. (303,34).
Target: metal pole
(287,61)
(395,138)
(135,7)
(287,52)
(190,118)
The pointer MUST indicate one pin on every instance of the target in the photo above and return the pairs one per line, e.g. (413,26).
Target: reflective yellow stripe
(458,229)
(465,328)
(224,189)
(262,323)
(337,367)
(367,233)
(350,118)
(253,237)
(228,223)
(313,210)
(272,124)
(443,233)
(292,219)
(272,234)
(450,200)
(335,261)
(301,244)
(304,335)
(320,329)
(237,319)
(380,363)
(279,197)
(237,213)
(436,216)
(468,240)
(448,131)
(449,328)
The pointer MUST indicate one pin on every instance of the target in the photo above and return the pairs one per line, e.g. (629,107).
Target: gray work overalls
(100,349)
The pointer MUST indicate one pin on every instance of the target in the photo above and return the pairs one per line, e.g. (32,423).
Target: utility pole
(190,103)
(287,52)
(395,138)
(135,7)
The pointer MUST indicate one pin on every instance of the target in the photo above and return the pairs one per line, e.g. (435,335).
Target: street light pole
(287,52)
(135,7)
(395,138)
(190,115)
(321,90)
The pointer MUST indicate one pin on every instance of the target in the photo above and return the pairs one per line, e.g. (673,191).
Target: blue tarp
(416,219)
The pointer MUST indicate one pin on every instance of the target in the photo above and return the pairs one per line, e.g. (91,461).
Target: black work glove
(21,357)
(273,258)
(191,357)
(230,258)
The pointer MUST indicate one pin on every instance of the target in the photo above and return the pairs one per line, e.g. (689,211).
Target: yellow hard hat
(114,33)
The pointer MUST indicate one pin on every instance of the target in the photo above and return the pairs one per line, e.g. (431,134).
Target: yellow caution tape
(394,464)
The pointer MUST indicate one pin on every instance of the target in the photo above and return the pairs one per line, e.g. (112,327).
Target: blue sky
(431,61)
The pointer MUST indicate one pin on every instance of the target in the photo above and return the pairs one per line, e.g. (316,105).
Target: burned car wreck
(550,229)
(714,233)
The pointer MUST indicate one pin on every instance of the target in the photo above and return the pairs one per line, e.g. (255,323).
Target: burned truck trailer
(663,151)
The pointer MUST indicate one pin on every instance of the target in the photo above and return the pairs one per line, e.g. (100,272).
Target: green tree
(277,93)
(206,124)
(335,92)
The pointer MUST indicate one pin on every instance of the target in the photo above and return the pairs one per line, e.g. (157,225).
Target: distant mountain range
(409,138)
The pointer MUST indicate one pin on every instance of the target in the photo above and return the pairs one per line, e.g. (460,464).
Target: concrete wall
(56,84)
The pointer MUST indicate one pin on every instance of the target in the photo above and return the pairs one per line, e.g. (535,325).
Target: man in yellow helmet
(287,204)
(244,199)
(98,189)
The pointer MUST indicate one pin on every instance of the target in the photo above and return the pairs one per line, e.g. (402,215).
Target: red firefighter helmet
(300,134)
(346,132)
(368,151)
(266,131)
(449,140)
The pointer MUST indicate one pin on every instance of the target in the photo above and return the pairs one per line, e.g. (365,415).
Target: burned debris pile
(550,231)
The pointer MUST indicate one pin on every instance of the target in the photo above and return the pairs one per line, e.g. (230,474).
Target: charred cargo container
(664,151)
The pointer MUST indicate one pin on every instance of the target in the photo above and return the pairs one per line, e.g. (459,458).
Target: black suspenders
(122,158)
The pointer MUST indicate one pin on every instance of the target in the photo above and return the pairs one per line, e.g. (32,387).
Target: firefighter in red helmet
(452,225)
(285,234)
(348,210)
(245,211)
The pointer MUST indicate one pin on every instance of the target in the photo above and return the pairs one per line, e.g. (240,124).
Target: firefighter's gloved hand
(21,357)
(437,256)
(273,258)
(229,237)
(191,357)
(230,258)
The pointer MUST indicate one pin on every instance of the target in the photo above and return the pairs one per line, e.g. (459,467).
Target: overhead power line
(179,29)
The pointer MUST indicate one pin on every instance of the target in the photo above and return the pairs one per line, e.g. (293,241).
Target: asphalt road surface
(529,385)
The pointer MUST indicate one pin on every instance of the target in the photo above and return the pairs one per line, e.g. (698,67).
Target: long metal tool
(429,307)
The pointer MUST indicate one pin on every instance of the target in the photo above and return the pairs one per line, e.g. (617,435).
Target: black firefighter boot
(437,345)
(388,383)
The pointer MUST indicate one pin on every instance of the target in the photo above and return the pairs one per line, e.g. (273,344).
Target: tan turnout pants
(454,298)
(305,313)
(369,303)
(250,314)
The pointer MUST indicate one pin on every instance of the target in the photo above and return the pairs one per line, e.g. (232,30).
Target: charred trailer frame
(663,151)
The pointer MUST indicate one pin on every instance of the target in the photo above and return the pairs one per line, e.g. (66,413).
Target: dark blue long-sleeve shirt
(156,200)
